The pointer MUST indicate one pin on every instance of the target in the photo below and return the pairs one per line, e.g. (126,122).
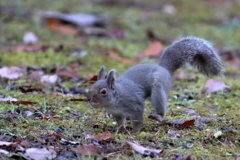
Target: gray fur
(125,95)
(101,74)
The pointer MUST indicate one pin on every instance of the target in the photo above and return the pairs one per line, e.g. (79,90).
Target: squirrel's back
(144,75)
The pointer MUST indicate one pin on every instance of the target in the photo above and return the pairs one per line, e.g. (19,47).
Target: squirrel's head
(101,93)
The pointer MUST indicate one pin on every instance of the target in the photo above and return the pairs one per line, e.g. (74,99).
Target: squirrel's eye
(103,91)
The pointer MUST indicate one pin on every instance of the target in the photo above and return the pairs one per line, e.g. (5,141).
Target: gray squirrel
(124,96)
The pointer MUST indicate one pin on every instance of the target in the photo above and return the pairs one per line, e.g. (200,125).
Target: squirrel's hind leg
(158,99)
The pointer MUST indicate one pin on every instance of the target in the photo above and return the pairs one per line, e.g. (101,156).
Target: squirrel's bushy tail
(194,50)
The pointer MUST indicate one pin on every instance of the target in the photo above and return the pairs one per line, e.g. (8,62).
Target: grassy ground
(216,21)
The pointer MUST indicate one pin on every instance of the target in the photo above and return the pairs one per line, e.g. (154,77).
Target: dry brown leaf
(39,153)
(29,48)
(235,63)
(91,79)
(122,59)
(153,50)
(54,25)
(70,73)
(11,72)
(143,150)
(124,152)
(213,85)
(189,122)
(76,19)
(87,150)
(103,136)
(21,102)
(35,75)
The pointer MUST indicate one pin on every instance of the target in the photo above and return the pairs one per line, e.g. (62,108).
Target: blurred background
(96,31)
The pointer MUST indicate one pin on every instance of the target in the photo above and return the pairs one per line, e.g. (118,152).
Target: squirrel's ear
(111,78)
(101,73)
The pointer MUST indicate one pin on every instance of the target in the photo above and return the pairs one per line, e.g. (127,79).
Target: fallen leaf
(4,99)
(143,150)
(190,112)
(35,75)
(59,22)
(3,151)
(169,9)
(88,136)
(87,150)
(154,50)
(30,38)
(47,117)
(124,152)
(70,73)
(91,79)
(11,72)
(39,153)
(49,78)
(54,25)
(58,94)
(189,122)
(12,145)
(93,31)
(122,59)
(22,102)
(27,114)
(235,63)
(213,85)
(79,19)
(217,134)
(66,142)
(4,143)
(103,136)
(29,48)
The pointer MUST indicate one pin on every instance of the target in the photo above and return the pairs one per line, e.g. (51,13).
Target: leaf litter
(95,144)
